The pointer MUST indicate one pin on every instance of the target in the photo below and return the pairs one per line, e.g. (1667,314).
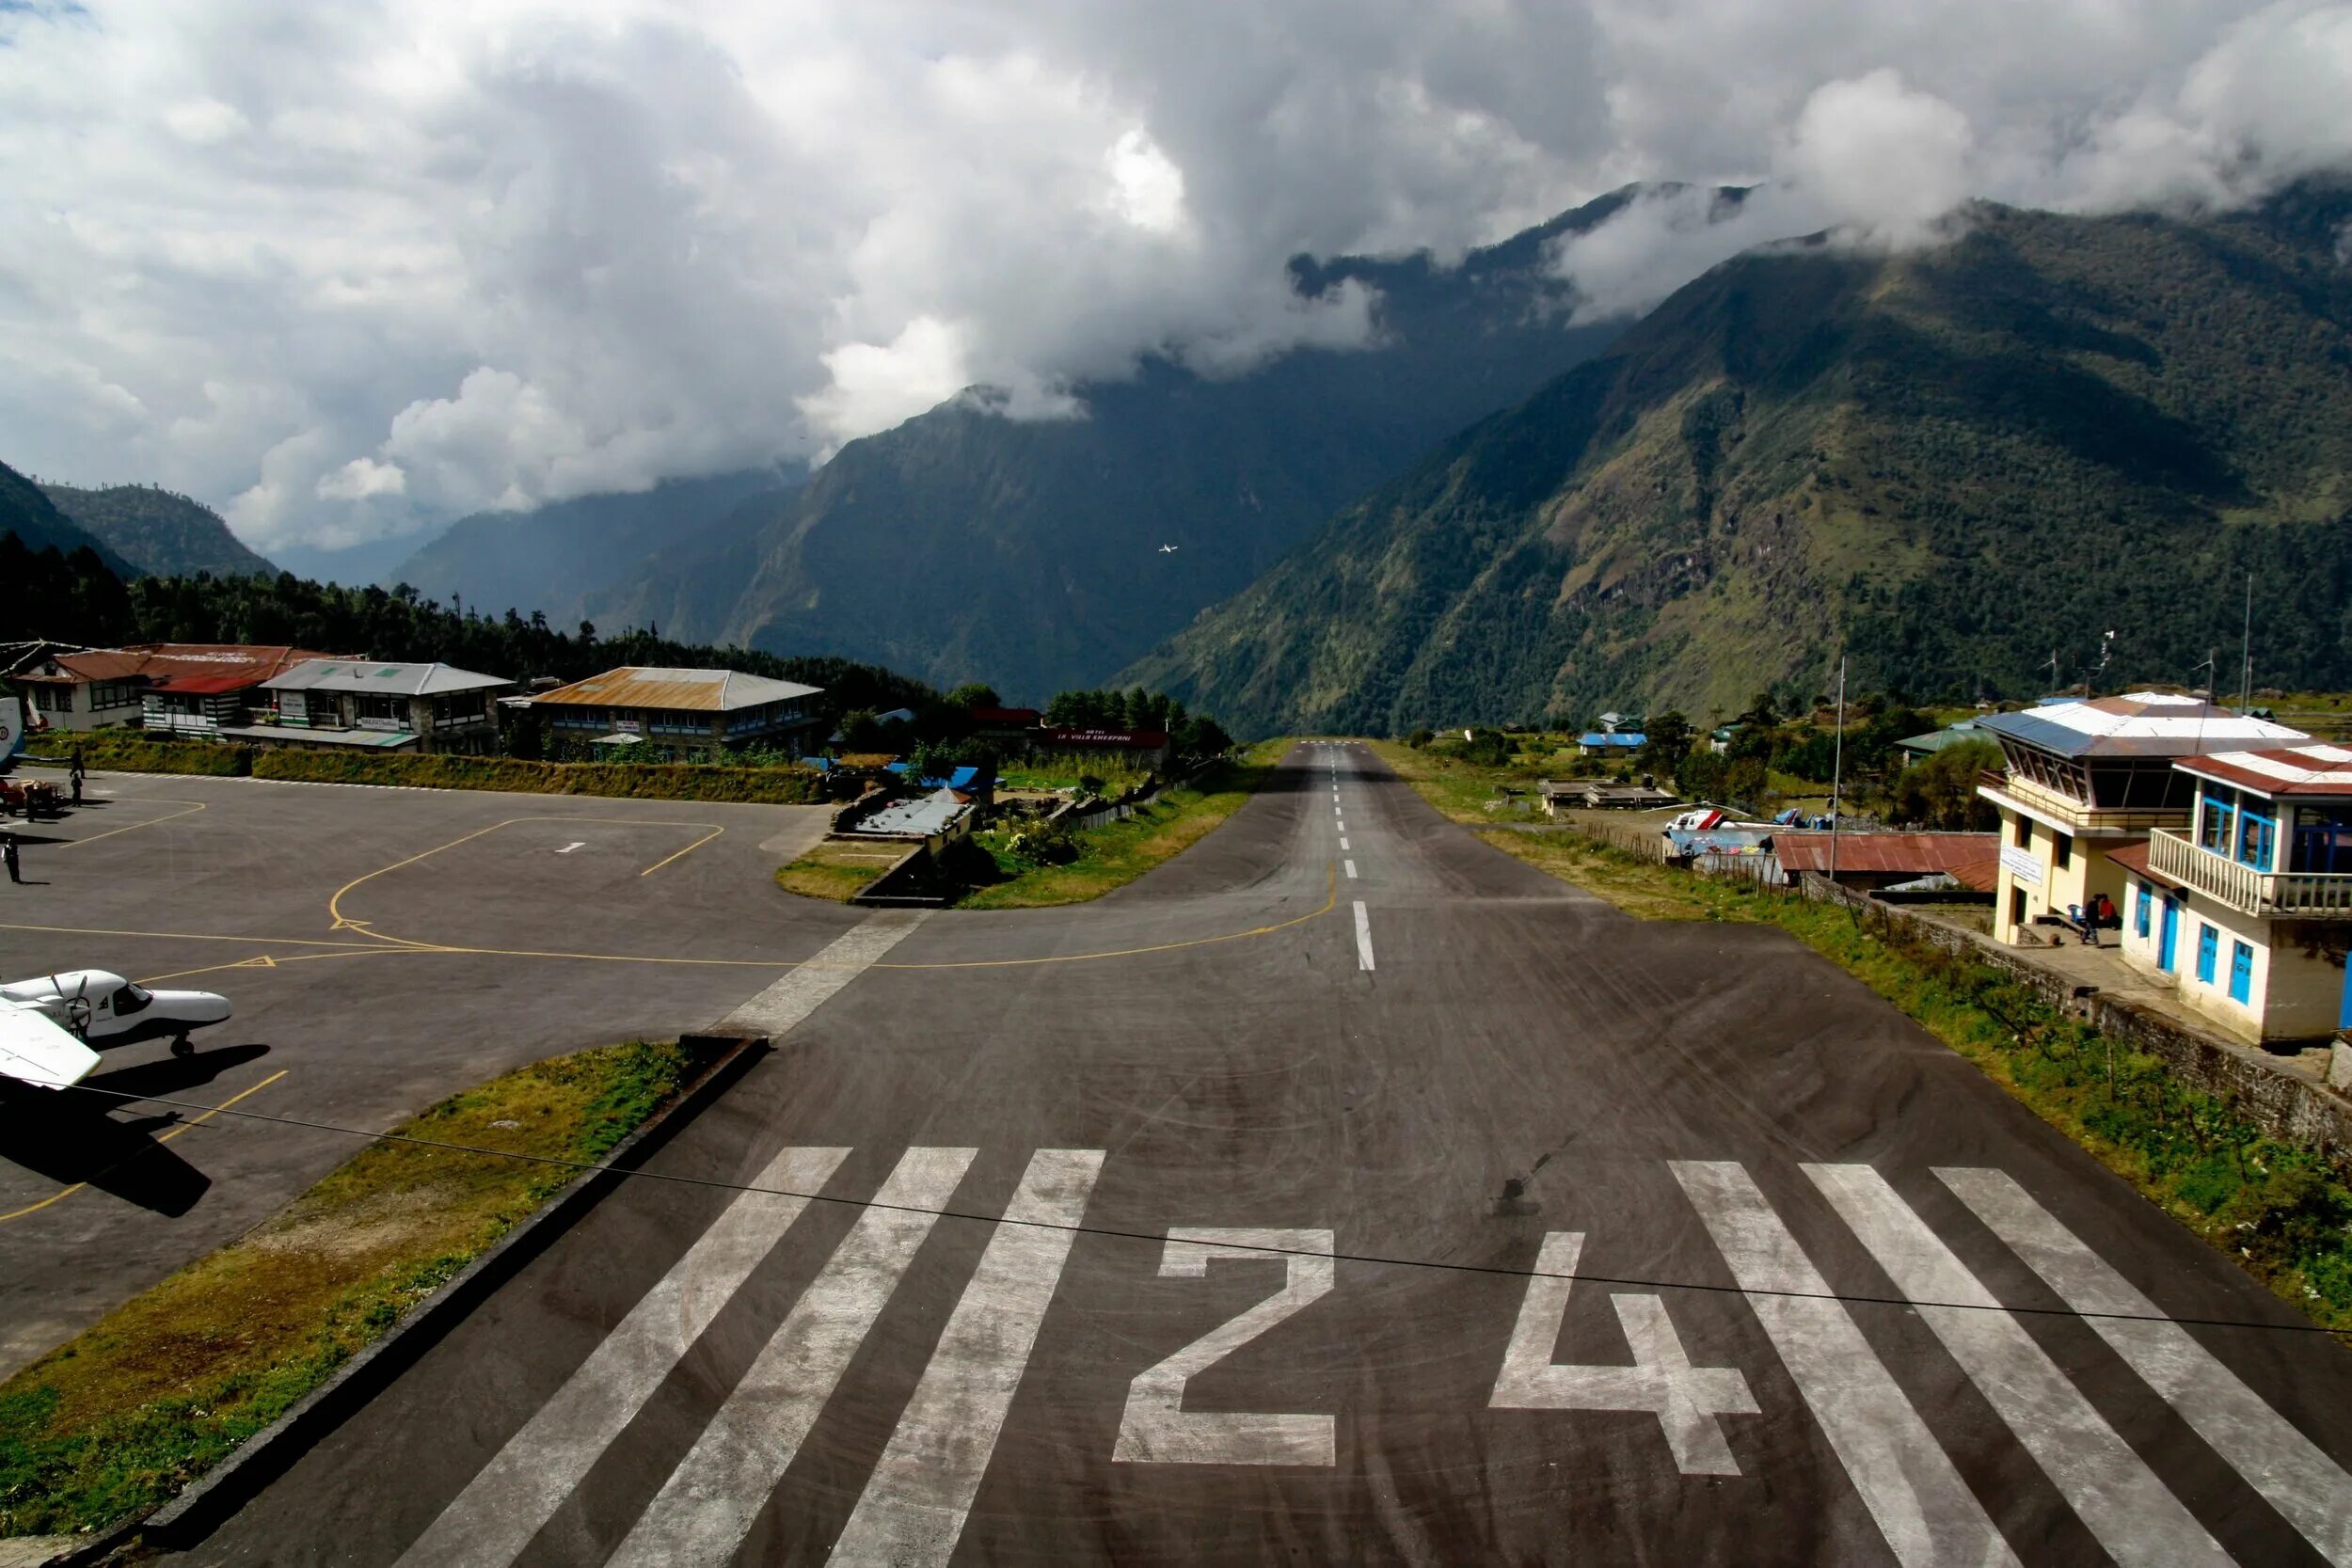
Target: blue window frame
(2241,971)
(2256,834)
(2216,821)
(2140,911)
(2208,949)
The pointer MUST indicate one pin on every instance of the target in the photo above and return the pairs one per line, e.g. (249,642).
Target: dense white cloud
(347,270)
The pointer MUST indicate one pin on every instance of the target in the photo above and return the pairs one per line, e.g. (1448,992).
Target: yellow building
(2247,910)
(2086,779)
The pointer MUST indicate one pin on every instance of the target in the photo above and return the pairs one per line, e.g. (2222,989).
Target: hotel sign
(2022,865)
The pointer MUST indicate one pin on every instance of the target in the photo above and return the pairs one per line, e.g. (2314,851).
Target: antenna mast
(2245,652)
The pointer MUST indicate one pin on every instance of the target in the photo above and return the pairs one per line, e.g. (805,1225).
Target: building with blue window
(2246,909)
(2087,781)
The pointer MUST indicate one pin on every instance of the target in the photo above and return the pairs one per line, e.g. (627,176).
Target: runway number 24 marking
(1157,1427)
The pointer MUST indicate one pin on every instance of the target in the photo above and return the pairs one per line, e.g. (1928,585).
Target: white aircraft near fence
(49,1025)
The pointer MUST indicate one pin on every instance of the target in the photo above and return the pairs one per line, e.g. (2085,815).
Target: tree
(1668,739)
(1939,790)
(973,694)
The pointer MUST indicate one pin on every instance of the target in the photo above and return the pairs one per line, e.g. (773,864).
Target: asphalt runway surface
(1347,1191)
(328,915)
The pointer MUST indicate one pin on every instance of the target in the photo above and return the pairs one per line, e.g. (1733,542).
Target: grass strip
(837,870)
(1116,853)
(2274,1207)
(117,1420)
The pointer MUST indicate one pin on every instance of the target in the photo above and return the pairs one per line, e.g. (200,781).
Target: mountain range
(967,545)
(1959,465)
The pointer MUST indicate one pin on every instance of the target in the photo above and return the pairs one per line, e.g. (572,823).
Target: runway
(1347,1191)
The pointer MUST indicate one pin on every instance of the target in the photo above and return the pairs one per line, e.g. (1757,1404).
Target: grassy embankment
(122,1416)
(1117,853)
(2274,1207)
(837,870)
(648,781)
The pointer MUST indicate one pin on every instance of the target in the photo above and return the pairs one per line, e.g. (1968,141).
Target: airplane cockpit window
(130,998)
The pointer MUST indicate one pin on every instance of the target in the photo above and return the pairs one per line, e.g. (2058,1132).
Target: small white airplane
(101,1008)
(1169,549)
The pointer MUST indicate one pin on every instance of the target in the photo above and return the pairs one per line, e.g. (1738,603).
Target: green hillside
(1958,459)
(158,531)
(29,513)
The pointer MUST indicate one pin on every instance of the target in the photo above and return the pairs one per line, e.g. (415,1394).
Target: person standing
(8,852)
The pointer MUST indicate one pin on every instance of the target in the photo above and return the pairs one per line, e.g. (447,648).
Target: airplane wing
(37,1052)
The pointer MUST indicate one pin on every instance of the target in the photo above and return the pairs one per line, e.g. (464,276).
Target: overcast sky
(347,270)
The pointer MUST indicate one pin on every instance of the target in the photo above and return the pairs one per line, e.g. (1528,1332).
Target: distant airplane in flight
(1167,550)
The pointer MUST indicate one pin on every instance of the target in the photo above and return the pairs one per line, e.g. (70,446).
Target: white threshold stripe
(776,1010)
(718,1491)
(2307,1488)
(1363,937)
(1351,869)
(1928,1517)
(916,1499)
(513,1495)
(2116,1496)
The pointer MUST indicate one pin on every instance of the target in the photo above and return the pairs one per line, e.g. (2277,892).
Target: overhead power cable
(1237,1248)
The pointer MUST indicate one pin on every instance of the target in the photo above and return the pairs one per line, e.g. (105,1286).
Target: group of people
(9,853)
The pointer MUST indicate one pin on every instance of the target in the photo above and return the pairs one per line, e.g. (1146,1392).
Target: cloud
(363,478)
(349,270)
(1881,158)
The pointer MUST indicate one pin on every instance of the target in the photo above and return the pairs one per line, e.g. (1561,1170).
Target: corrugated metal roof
(638,686)
(1970,858)
(924,814)
(2314,769)
(2139,724)
(192,667)
(394,676)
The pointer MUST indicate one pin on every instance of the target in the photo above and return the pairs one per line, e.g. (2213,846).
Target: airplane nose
(196,1007)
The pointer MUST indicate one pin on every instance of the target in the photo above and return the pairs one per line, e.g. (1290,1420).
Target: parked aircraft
(34,1051)
(104,1010)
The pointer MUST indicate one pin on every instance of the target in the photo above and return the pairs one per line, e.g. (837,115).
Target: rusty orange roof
(1970,858)
(640,685)
(188,666)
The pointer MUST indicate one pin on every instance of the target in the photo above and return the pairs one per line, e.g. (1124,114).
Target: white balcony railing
(2242,888)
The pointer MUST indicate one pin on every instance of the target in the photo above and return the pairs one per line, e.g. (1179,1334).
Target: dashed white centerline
(1351,869)
(1363,937)
(1342,847)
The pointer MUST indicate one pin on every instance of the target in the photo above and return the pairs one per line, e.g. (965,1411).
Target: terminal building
(380,706)
(685,711)
(180,688)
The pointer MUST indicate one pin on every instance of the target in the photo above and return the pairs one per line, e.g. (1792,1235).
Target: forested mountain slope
(157,530)
(1957,461)
(964,545)
(553,559)
(29,513)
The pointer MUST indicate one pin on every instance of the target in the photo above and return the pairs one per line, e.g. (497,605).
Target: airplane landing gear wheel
(181,1047)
